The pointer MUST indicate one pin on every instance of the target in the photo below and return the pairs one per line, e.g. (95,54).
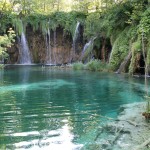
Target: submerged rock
(128,131)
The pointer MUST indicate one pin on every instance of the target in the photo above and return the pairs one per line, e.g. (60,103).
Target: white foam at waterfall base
(25,57)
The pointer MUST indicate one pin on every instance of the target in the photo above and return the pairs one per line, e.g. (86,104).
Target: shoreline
(68,67)
(129,131)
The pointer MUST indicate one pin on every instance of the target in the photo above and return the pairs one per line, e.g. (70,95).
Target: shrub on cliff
(96,65)
(78,66)
(92,65)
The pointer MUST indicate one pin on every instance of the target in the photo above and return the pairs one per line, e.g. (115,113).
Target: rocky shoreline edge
(129,131)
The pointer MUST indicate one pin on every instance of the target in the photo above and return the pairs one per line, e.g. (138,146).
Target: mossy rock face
(60,46)
(60,52)
(120,49)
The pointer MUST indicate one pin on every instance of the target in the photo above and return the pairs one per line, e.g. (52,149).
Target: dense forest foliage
(122,25)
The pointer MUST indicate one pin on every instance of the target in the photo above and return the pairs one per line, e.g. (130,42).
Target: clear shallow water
(49,109)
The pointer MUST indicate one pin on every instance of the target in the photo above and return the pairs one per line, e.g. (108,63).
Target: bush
(78,66)
(96,65)
(5,42)
(92,65)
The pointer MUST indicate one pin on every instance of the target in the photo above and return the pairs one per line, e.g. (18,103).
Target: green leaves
(92,65)
(92,25)
(120,48)
(144,26)
(5,42)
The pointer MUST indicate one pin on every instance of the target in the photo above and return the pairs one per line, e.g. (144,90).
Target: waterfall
(87,50)
(54,52)
(86,46)
(25,57)
(86,53)
(74,44)
(48,47)
(110,57)
(1,60)
(75,37)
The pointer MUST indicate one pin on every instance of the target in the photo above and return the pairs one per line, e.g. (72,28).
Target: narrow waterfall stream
(25,57)
(75,38)
(87,51)
(48,47)
(54,49)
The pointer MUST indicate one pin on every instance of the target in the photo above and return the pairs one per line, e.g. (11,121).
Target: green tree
(5,42)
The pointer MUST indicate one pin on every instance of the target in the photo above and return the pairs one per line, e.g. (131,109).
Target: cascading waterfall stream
(87,50)
(48,48)
(25,57)
(1,60)
(88,47)
(75,37)
(54,52)
(110,57)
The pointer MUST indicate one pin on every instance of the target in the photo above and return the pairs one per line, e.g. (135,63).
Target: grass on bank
(93,65)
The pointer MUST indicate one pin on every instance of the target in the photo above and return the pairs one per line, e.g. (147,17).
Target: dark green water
(49,109)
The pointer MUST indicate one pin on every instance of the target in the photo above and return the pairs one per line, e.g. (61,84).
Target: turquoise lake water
(50,109)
